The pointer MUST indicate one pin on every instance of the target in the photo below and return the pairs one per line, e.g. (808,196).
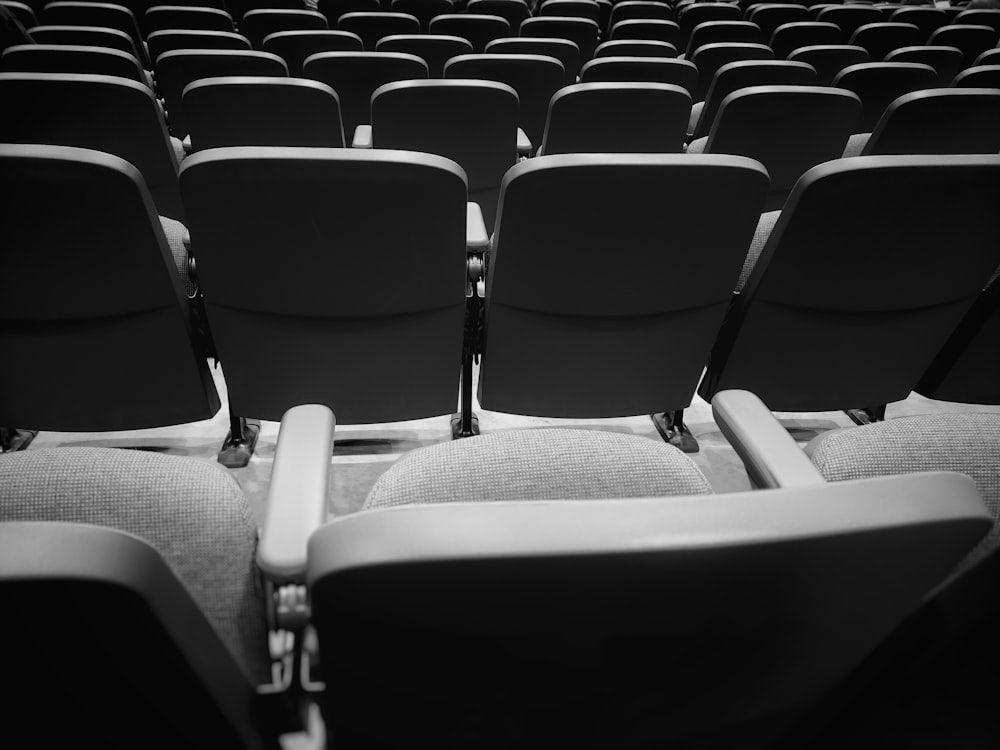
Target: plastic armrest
(770,455)
(188,148)
(477,239)
(298,493)
(523,143)
(362,137)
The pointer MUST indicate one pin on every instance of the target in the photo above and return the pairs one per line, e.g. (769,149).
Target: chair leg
(13,439)
(465,423)
(240,442)
(670,425)
(867,414)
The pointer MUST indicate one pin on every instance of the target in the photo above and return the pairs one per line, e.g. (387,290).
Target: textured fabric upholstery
(966,443)
(855,144)
(175,232)
(697,146)
(760,235)
(696,109)
(543,464)
(178,146)
(193,513)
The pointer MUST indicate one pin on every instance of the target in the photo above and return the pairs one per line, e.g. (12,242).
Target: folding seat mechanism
(670,425)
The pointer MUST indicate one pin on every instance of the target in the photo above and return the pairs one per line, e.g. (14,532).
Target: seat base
(13,439)
(236,451)
(464,427)
(670,425)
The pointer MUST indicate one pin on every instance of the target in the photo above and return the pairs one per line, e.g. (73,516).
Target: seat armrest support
(477,239)
(298,493)
(524,145)
(362,137)
(770,455)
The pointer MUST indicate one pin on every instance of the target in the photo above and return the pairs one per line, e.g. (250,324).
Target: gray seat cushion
(966,443)
(543,464)
(194,514)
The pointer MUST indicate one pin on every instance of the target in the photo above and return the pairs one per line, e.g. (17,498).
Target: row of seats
(563,330)
(519,589)
(787,128)
(973,32)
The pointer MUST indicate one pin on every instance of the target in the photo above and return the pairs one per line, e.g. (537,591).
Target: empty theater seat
(869,291)
(104,113)
(563,50)
(583,547)
(578,319)
(107,15)
(354,76)
(141,589)
(788,129)
(920,684)
(169,40)
(371,274)
(294,47)
(710,57)
(829,59)
(935,121)
(175,70)
(87,36)
(184,17)
(257,24)
(737,75)
(473,123)
(535,78)
(947,61)
(94,300)
(617,117)
(479,30)
(262,111)
(72,58)
(682,73)
(433,49)
(880,84)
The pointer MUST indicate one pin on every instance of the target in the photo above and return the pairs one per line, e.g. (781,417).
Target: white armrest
(477,239)
(362,137)
(297,497)
(523,143)
(770,455)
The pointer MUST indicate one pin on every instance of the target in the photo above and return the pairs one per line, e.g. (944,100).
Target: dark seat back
(879,84)
(371,273)
(617,117)
(574,328)
(868,292)
(175,70)
(939,121)
(102,113)
(473,123)
(788,129)
(262,111)
(92,300)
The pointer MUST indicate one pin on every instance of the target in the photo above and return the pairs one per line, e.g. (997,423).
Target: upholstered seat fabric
(543,464)
(194,514)
(760,235)
(966,443)
(174,231)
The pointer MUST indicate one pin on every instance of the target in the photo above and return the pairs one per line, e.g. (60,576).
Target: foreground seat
(822,281)
(92,301)
(262,111)
(571,635)
(582,334)
(354,293)
(920,686)
(141,590)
